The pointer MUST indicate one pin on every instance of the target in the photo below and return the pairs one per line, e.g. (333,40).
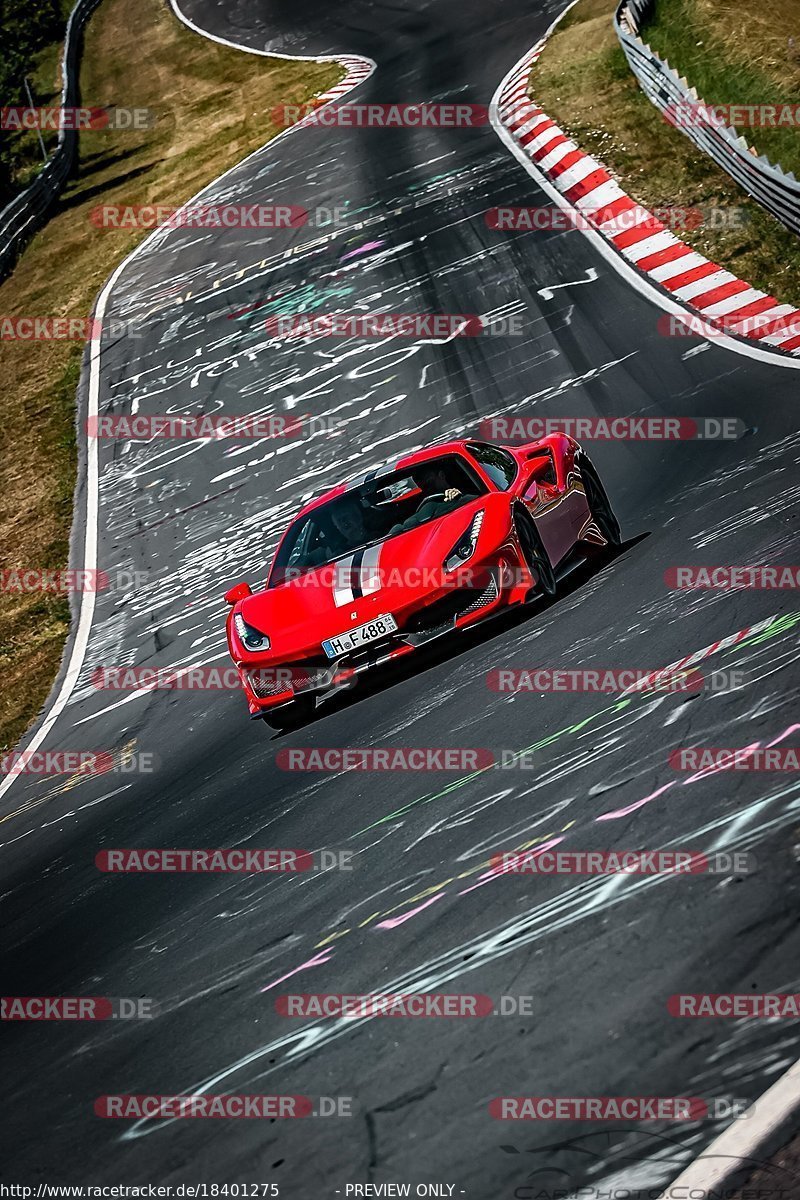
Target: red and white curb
(357,67)
(691,660)
(645,242)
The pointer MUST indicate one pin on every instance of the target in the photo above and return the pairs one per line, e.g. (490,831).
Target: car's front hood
(384,578)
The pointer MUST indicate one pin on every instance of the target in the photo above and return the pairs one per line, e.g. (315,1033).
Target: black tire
(536,557)
(288,716)
(599,504)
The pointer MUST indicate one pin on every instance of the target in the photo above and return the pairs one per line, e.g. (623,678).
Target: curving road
(598,956)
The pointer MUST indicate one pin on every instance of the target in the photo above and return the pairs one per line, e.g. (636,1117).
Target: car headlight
(251,639)
(465,546)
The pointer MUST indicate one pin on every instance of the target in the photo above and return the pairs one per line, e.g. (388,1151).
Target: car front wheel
(536,557)
(599,503)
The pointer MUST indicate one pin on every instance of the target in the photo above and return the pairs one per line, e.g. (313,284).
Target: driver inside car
(437,495)
(342,530)
(347,527)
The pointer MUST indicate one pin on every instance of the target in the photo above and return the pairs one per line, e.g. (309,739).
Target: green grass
(731,66)
(45,82)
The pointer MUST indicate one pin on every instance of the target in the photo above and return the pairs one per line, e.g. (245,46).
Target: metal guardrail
(20,219)
(777,190)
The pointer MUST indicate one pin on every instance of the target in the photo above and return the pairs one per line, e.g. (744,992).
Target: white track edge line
(90,544)
(758,1124)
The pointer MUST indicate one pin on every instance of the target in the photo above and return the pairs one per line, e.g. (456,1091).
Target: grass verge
(583,82)
(213,107)
(734,54)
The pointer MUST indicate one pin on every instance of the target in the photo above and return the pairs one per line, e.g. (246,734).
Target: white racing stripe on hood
(368,578)
(370,570)
(342,583)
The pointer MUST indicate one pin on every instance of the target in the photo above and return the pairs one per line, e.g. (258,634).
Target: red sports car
(433,542)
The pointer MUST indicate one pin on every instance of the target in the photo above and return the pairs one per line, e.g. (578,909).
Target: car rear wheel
(536,557)
(288,716)
(599,503)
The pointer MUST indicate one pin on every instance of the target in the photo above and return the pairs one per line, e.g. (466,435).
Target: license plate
(359,636)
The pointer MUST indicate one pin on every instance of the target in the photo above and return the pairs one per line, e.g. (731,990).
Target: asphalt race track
(420,910)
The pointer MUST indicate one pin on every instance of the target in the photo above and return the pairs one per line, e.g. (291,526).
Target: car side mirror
(237,592)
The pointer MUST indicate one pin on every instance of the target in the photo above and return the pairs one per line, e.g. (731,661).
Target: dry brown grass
(766,37)
(213,106)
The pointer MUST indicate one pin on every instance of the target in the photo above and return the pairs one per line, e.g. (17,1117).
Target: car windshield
(374,511)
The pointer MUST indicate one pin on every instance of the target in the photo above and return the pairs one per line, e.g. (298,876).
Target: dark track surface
(599,957)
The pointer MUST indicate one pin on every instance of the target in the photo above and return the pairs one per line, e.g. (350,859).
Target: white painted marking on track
(359,68)
(547,292)
(139,693)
